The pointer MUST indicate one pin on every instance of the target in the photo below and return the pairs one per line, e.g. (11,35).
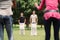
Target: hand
(36,4)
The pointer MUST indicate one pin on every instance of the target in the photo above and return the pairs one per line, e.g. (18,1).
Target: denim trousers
(47,27)
(6,22)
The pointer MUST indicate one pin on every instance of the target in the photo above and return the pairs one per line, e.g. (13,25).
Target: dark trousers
(7,22)
(47,26)
(59,32)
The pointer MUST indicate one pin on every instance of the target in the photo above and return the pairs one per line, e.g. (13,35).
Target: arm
(41,5)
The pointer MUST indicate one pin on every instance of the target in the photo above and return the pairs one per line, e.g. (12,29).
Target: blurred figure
(33,22)
(51,15)
(6,18)
(22,21)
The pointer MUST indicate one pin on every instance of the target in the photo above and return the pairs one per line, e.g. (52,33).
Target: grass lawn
(27,36)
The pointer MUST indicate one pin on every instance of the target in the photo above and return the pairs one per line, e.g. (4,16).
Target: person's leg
(35,29)
(20,32)
(1,28)
(1,32)
(32,29)
(47,26)
(56,29)
(59,29)
(59,33)
(22,29)
(8,24)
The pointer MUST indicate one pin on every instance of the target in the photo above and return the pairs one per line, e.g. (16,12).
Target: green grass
(27,36)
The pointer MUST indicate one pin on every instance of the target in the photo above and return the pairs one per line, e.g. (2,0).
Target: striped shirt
(5,7)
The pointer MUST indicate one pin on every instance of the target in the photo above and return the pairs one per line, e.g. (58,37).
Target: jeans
(47,27)
(7,22)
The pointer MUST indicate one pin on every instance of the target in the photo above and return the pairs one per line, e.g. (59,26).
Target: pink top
(50,5)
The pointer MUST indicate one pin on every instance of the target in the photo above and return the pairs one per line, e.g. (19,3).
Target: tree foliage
(27,6)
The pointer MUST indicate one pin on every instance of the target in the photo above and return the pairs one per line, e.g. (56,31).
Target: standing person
(51,15)
(33,21)
(22,21)
(6,18)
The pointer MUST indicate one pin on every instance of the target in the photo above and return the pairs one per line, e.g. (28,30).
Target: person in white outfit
(22,21)
(33,22)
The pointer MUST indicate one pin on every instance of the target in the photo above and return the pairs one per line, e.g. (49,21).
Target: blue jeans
(47,26)
(7,22)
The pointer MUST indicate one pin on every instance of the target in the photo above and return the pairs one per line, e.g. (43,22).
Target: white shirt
(33,17)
